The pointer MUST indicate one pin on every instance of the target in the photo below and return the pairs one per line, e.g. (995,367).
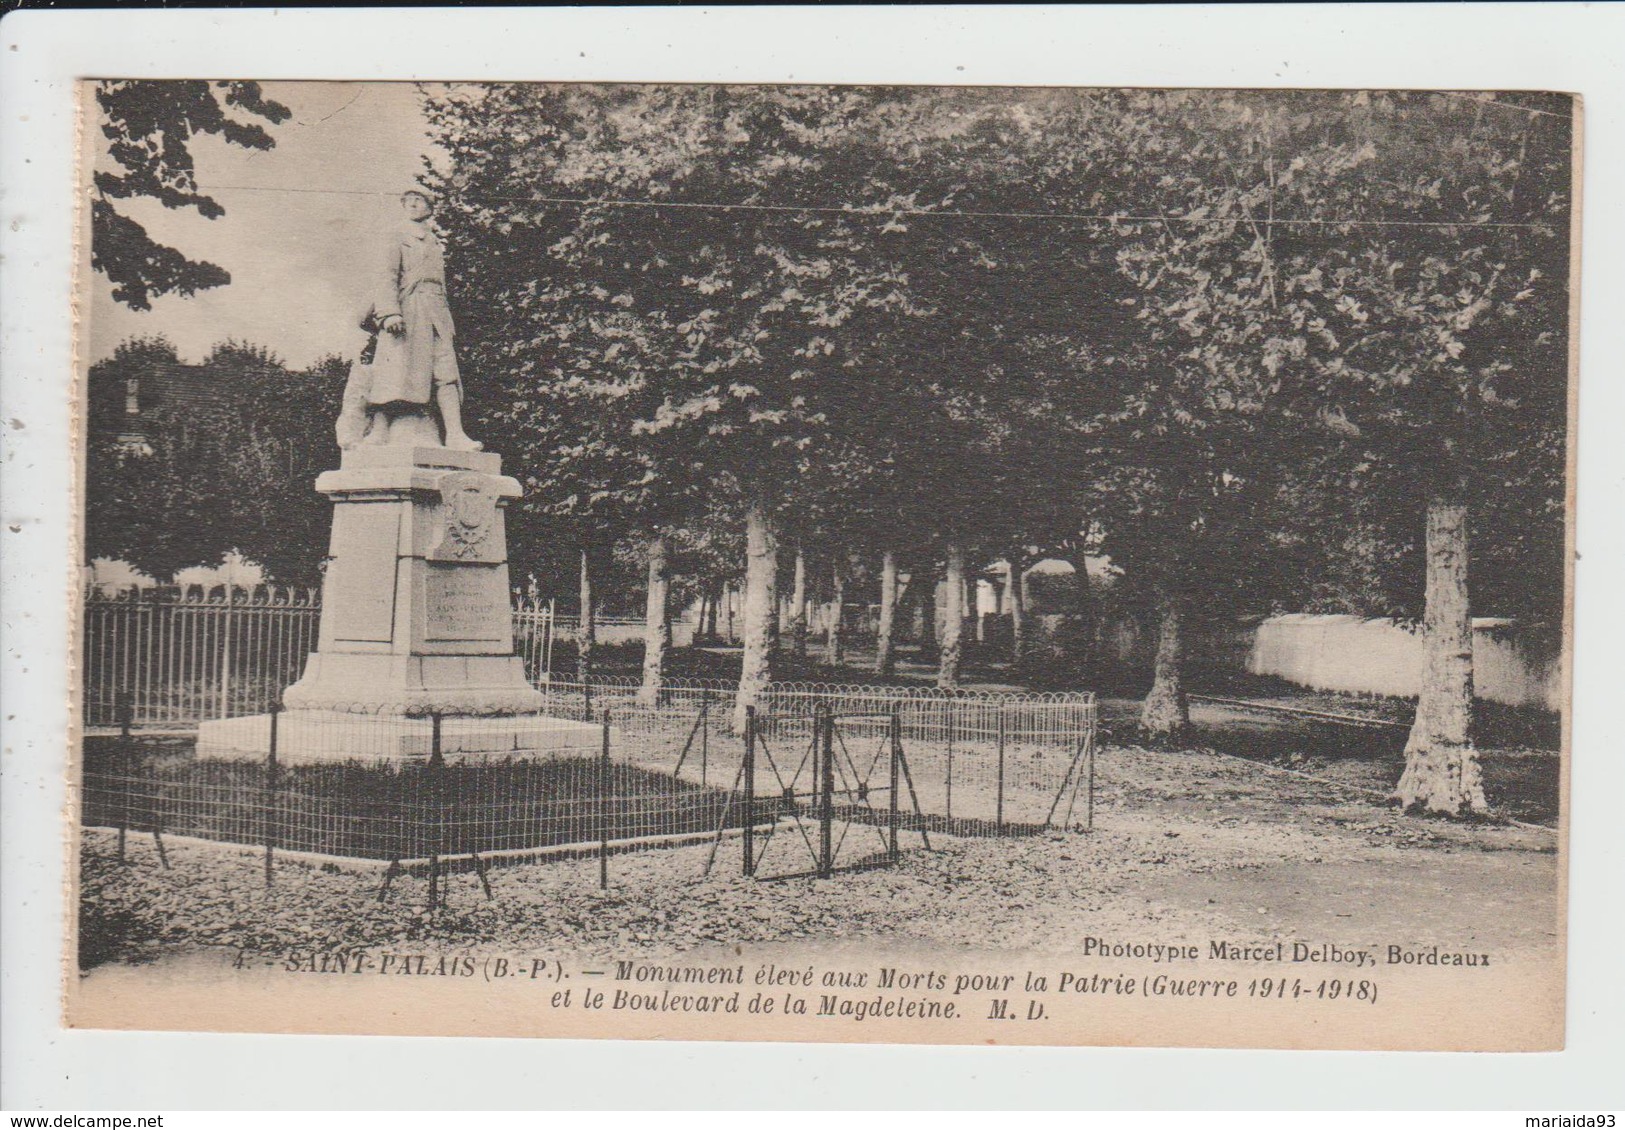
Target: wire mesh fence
(819,794)
(843,772)
(982,763)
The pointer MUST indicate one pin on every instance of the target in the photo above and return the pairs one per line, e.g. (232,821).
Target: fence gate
(821,792)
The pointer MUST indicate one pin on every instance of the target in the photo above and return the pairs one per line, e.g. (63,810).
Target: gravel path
(1186,846)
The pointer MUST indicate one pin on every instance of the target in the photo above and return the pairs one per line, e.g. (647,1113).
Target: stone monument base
(415,601)
(416,622)
(314,736)
(414,685)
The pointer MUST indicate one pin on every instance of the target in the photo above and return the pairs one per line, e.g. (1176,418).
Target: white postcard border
(1559,47)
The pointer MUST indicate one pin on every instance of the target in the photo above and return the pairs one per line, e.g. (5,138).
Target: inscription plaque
(467,602)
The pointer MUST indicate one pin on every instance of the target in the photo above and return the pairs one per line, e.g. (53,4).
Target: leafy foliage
(1367,293)
(233,471)
(1236,341)
(149,126)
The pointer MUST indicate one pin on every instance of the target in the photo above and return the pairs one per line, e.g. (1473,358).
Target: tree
(692,317)
(1203,332)
(1456,366)
(657,622)
(586,621)
(108,399)
(983,430)
(1376,280)
(280,439)
(1017,562)
(1181,443)
(233,472)
(890,598)
(151,506)
(798,606)
(953,625)
(149,126)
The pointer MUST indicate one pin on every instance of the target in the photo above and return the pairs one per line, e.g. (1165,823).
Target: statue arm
(386,302)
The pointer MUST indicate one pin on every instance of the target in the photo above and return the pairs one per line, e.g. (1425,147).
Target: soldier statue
(408,370)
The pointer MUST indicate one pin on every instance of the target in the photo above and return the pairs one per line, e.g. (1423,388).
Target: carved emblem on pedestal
(468,502)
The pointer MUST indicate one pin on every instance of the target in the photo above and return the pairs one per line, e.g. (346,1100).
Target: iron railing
(190,654)
(194,653)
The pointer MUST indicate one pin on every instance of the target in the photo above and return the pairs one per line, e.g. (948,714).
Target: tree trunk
(711,613)
(1084,609)
(885,654)
(1166,715)
(953,621)
(775,622)
(1015,595)
(835,642)
(761,606)
(657,623)
(798,607)
(586,626)
(927,601)
(1441,765)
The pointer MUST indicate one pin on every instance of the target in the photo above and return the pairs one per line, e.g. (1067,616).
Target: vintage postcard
(947,565)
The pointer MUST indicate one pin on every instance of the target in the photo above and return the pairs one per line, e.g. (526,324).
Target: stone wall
(1348,653)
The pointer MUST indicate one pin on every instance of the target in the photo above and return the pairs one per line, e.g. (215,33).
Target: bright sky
(300,220)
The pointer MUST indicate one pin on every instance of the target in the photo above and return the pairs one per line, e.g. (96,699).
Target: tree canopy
(149,126)
(1266,350)
(229,471)
(1239,341)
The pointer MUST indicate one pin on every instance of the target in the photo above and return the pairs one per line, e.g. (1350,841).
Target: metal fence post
(586,700)
(896,752)
(999,810)
(225,650)
(826,815)
(124,766)
(547,646)
(270,793)
(1089,799)
(603,809)
(705,731)
(948,803)
(437,813)
(748,772)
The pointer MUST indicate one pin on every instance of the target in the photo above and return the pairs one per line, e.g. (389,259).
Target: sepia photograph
(917,564)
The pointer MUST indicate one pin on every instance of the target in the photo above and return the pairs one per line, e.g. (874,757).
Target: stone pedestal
(415,621)
(415,608)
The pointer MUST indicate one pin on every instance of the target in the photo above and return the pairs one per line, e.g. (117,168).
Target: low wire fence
(811,779)
(976,756)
